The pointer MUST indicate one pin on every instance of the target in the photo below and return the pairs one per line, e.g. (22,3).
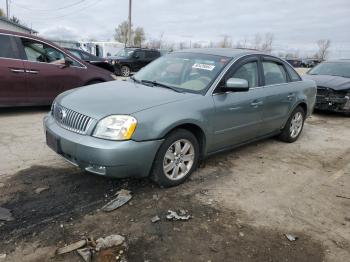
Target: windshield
(187,72)
(125,53)
(332,68)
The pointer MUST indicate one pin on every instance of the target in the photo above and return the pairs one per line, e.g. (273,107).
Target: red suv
(34,71)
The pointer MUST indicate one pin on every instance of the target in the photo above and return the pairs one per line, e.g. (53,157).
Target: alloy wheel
(296,124)
(178,159)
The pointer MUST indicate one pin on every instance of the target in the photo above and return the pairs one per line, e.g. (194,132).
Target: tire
(294,126)
(176,159)
(125,71)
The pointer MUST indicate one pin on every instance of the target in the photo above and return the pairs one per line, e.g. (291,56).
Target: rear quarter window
(293,75)
(8,47)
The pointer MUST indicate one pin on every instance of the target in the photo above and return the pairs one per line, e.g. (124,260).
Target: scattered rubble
(182,215)
(155,219)
(291,237)
(71,247)
(5,214)
(85,253)
(2,256)
(41,189)
(123,196)
(2,185)
(110,241)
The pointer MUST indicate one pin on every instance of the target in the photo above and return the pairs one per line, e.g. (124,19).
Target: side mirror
(68,61)
(237,85)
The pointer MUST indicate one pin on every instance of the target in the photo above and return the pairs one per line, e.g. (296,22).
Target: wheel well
(304,107)
(198,132)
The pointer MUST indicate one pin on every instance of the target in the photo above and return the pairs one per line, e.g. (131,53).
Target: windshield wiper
(134,79)
(155,83)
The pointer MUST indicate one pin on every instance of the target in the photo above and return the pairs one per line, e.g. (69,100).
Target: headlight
(116,127)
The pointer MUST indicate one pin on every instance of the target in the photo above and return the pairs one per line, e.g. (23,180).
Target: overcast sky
(296,24)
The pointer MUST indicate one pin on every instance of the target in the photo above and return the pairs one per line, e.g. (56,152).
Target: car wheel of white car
(176,159)
(294,126)
(125,71)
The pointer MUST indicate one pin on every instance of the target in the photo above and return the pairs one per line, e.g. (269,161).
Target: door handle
(291,96)
(32,71)
(17,70)
(256,103)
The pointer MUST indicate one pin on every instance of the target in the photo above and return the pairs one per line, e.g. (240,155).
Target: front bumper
(333,103)
(99,156)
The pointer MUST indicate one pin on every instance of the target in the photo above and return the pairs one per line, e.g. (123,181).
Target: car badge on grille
(61,114)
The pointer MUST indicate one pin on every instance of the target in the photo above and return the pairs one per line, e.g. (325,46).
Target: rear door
(238,114)
(279,94)
(47,74)
(13,88)
(140,59)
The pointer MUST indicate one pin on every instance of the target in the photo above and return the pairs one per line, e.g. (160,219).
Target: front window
(332,68)
(125,53)
(187,72)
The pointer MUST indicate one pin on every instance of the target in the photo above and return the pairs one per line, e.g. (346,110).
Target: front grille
(323,91)
(71,120)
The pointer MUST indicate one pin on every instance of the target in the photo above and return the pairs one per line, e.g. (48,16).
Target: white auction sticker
(204,66)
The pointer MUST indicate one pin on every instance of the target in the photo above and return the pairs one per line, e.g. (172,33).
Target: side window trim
(24,56)
(240,62)
(14,46)
(278,62)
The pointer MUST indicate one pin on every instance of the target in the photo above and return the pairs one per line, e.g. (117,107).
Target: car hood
(333,82)
(118,97)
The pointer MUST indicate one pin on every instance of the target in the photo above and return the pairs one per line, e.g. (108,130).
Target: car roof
(228,52)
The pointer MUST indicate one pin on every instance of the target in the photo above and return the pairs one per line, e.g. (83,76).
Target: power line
(71,13)
(48,10)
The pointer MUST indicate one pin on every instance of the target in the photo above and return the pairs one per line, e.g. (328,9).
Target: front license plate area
(53,142)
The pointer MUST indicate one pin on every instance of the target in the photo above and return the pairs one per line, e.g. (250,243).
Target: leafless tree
(323,48)
(257,41)
(267,43)
(226,42)
(196,45)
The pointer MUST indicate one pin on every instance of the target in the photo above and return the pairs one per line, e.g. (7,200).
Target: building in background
(6,24)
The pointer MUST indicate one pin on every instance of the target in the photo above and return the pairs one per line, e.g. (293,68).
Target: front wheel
(294,126)
(176,159)
(125,71)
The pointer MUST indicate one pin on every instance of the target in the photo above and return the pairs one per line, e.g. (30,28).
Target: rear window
(7,47)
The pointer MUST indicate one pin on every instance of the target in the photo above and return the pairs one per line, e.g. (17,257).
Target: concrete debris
(2,256)
(155,219)
(71,247)
(172,215)
(40,189)
(123,196)
(85,253)
(110,241)
(241,234)
(5,214)
(155,197)
(291,237)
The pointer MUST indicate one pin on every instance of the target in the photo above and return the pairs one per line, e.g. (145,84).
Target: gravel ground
(242,202)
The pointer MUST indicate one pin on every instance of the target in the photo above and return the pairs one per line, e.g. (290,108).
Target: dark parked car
(34,71)
(92,59)
(177,110)
(333,85)
(309,63)
(130,60)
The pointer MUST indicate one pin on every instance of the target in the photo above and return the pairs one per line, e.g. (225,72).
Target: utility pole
(129,31)
(7,9)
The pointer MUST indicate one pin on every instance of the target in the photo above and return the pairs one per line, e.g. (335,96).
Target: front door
(47,73)
(238,116)
(13,89)
(279,95)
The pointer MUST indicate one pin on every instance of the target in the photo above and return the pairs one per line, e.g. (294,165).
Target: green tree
(122,32)
(2,13)
(139,36)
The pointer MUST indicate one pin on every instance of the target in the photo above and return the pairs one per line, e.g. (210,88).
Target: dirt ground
(242,202)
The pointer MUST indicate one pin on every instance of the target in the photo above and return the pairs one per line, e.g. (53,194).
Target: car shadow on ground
(8,111)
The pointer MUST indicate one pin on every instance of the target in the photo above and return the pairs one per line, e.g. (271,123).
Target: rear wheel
(294,126)
(125,71)
(176,159)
